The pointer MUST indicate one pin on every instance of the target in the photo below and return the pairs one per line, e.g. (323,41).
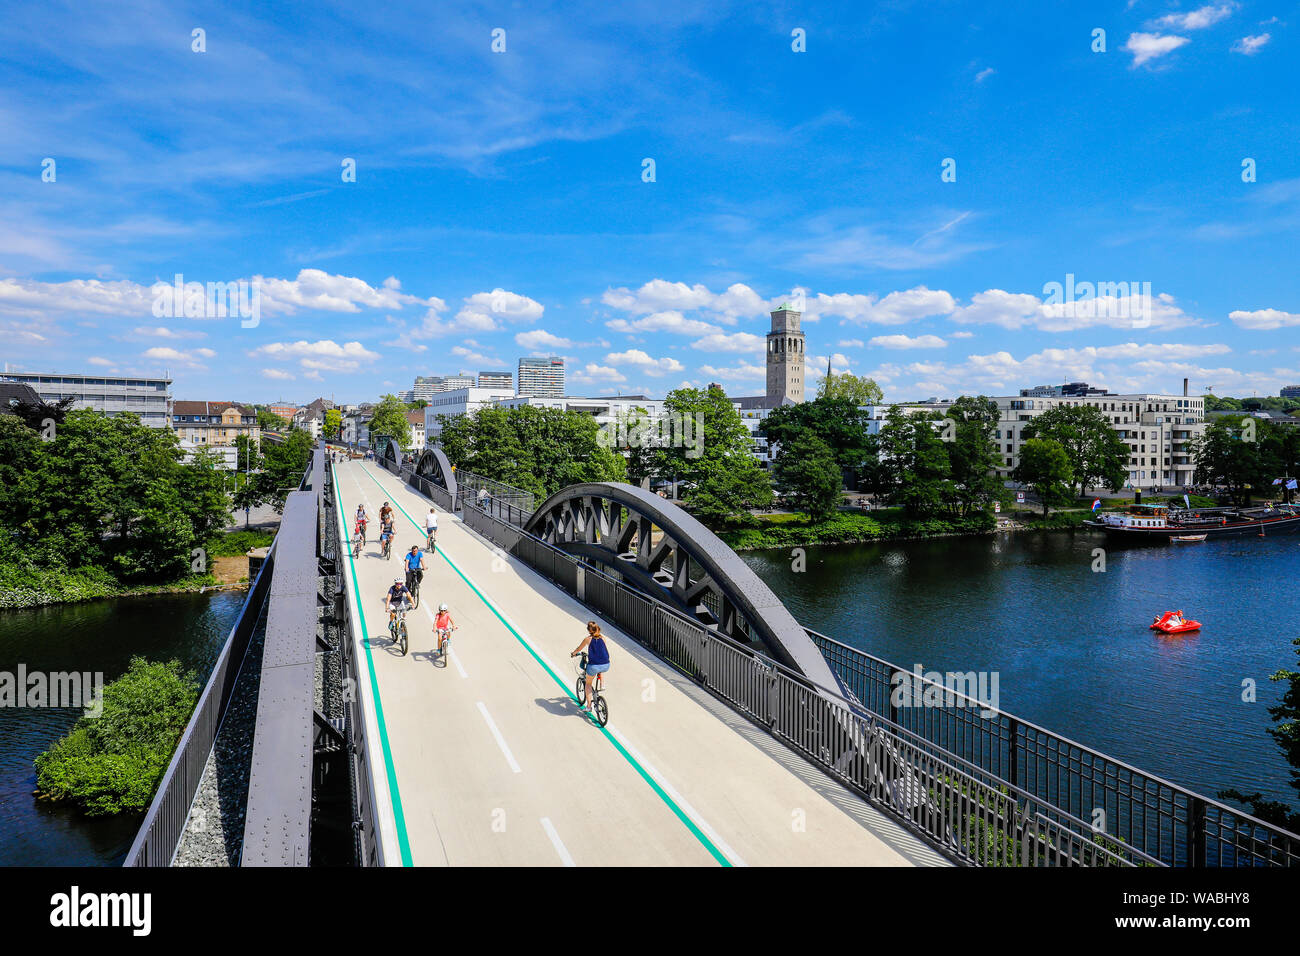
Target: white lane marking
(549,827)
(501,741)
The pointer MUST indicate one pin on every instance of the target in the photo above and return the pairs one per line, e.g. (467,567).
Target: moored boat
(1187,538)
(1162,523)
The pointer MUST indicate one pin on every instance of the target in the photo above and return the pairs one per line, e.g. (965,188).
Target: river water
(98,636)
(1071,647)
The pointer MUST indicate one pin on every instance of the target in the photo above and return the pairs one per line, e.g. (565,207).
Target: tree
(972,454)
(1045,467)
(808,475)
(1224,457)
(911,449)
(635,435)
(838,422)
(1098,456)
(36,414)
(540,450)
(389,420)
(856,388)
(333,422)
(722,480)
(268,421)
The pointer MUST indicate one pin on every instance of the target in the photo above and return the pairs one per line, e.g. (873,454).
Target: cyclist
(414,561)
(597,657)
(385,513)
(386,530)
(360,530)
(443,625)
(397,598)
(431,527)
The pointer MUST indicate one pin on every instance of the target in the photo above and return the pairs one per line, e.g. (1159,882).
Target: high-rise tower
(785,358)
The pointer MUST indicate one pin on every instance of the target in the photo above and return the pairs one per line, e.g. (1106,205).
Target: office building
(496,380)
(1291,391)
(461,401)
(541,376)
(149,398)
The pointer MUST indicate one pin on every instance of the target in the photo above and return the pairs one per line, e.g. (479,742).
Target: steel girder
(434,466)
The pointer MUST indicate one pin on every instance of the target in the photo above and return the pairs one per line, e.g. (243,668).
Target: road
(490,762)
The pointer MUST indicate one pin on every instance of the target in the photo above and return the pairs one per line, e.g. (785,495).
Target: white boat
(1188,538)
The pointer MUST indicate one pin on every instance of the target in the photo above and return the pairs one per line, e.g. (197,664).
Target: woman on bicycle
(443,625)
(597,657)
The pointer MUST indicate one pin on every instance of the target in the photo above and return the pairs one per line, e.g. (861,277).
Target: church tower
(785,358)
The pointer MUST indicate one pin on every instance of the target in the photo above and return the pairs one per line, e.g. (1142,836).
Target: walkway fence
(984,786)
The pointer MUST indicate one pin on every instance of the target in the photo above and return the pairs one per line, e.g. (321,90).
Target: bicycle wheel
(415,593)
(581,689)
(601,710)
(401,637)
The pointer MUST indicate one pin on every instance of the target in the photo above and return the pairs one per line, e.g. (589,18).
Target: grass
(233,544)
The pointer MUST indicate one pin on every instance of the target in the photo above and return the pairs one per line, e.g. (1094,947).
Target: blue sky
(500,207)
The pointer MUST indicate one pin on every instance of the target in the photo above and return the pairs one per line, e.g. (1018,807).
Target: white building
(541,376)
(149,398)
(461,401)
(496,380)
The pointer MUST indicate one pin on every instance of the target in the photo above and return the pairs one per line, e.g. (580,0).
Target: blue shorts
(594,669)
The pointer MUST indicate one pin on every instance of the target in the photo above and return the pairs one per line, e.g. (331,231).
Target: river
(1071,646)
(97,636)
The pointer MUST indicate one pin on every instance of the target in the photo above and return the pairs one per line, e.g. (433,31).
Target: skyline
(499,208)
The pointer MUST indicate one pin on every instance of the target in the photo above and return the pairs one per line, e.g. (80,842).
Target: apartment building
(496,380)
(149,398)
(541,376)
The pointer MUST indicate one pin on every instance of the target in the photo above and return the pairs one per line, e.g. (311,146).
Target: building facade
(785,358)
(496,380)
(1291,391)
(542,377)
(149,398)
(214,423)
(461,401)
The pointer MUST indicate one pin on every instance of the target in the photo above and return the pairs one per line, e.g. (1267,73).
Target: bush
(848,528)
(113,762)
(233,544)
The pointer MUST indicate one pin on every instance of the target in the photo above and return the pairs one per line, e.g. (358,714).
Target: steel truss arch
(656,547)
(434,466)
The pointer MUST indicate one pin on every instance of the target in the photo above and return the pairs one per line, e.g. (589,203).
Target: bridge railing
(160,832)
(989,790)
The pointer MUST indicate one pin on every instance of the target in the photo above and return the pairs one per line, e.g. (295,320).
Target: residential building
(461,401)
(311,418)
(1291,391)
(284,410)
(415,418)
(12,393)
(214,423)
(496,380)
(785,358)
(149,398)
(541,376)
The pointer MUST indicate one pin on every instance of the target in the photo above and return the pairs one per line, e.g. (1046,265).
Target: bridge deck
(490,762)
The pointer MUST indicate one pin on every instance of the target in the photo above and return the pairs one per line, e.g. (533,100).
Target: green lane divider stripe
(644,774)
(403,841)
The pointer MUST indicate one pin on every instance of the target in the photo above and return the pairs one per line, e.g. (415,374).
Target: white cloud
(96,360)
(325,354)
(667,321)
(645,363)
(1250,45)
(983,75)
(477,358)
(735,342)
(278,375)
(188,359)
(1198,19)
(745,371)
(593,374)
(1016,310)
(961,335)
(850,343)
(660,295)
(162,332)
(908,342)
(539,340)
(1265,319)
(1150,46)
(896,308)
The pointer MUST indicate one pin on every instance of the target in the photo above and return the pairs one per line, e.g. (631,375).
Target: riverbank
(24,584)
(847,527)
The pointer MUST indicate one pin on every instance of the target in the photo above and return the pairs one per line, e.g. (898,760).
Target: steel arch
(661,550)
(434,466)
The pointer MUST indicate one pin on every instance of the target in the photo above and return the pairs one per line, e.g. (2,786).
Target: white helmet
(442,607)
(397,580)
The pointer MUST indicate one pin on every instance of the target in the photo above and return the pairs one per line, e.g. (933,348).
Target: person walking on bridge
(597,657)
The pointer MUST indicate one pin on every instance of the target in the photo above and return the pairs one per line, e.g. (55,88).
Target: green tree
(1045,467)
(389,419)
(537,449)
(722,480)
(1098,456)
(333,422)
(838,422)
(1225,455)
(270,422)
(808,475)
(911,448)
(973,455)
(857,389)
(114,762)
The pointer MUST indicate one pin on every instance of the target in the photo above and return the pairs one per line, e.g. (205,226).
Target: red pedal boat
(1173,622)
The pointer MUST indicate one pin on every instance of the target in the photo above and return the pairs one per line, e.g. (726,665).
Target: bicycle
(359,543)
(444,634)
(388,548)
(397,627)
(431,540)
(599,709)
(413,585)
